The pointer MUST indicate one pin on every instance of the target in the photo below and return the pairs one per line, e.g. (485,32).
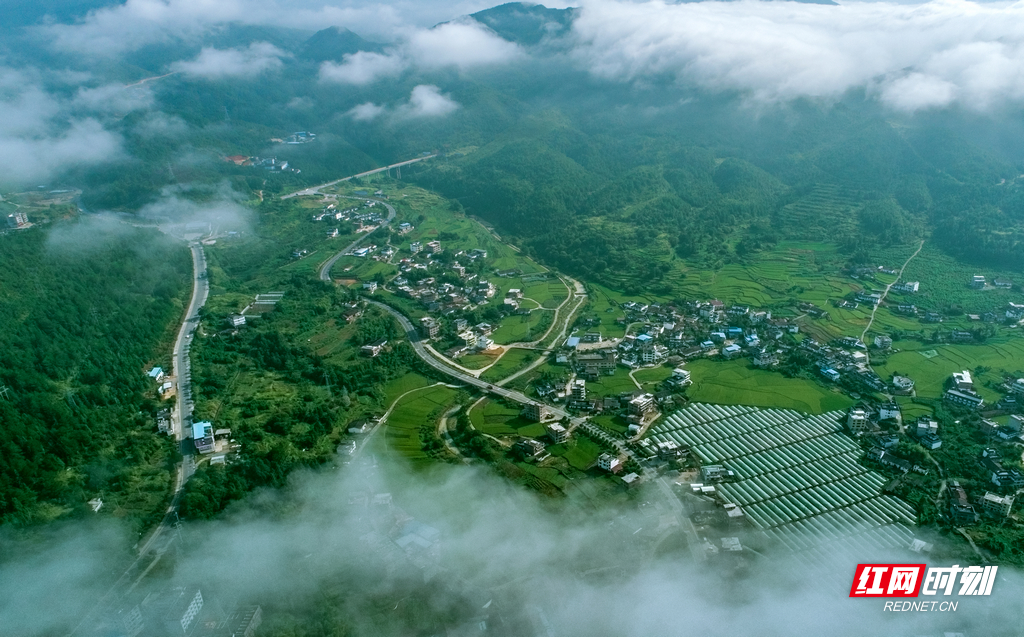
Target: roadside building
(961,511)
(202,436)
(964,398)
(963,381)
(530,448)
(642,405)
(537,412)
(373,349)
(890,411)
(557,433)
(429,327)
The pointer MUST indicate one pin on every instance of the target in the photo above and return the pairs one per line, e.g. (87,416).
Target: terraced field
(798,475)
(820,213)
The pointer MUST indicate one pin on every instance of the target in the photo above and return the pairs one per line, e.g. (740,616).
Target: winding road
(462,377)
(325,269)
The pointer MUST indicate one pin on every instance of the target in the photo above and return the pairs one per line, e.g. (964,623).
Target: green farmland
(492,417)
(421,409)
(931,365)
(736,383)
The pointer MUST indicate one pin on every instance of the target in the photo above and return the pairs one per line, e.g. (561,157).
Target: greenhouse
(799,476)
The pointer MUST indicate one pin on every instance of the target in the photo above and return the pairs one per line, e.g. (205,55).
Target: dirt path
(888,287)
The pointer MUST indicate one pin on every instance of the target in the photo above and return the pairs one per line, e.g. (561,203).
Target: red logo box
(887,580)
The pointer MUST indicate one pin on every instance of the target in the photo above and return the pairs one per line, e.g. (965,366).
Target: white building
(857,421)
(963,381)
(997,506)
(608,462)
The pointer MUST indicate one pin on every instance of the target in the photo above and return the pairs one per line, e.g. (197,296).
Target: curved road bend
(489,388)
(325,269)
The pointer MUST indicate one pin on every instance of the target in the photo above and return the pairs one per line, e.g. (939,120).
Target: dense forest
(84,312)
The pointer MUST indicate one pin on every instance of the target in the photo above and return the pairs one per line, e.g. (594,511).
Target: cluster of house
(365,216)
(637,407)
(962,391)
(697,329)
(208,440)
(301,137)
(1008,479)
(272,164)
(17,220)
(182,611)
(978,282)
(164,386)
(962,512)
(845,359)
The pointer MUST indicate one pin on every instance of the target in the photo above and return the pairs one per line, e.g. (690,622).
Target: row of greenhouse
(745,424)
(815,500)
(778,483)
(861,519)
(813,450)
(856,544)
(799,476)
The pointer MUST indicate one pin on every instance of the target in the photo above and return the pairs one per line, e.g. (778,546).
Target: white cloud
(464,45)
(113,98)
(427,101)
(218,63)
(366,112)
(914,56)
(36,140)
(26,159)
(362,67)
(135,23)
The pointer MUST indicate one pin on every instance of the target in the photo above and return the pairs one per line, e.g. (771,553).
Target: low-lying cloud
(129,26)
(493,553)
(463,45)
(38,138)
(363,67)
(425,101)
(912,57)
(213,64)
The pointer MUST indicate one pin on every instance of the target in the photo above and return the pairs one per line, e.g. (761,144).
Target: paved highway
(315,190)
(325,269)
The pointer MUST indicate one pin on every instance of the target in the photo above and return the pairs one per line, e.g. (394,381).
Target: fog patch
(204,209)
(212,64)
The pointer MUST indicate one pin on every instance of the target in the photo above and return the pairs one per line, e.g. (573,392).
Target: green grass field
(581,453)
(736,383)
(424,407)
(492,417)
(651,377)
(612,385)
(998,355)
(512,361)
(516,329)
(395,388)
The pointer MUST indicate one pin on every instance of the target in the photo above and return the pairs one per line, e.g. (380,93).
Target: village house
(373,349)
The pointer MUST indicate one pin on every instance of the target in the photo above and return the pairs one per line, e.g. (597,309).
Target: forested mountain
(81,320)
